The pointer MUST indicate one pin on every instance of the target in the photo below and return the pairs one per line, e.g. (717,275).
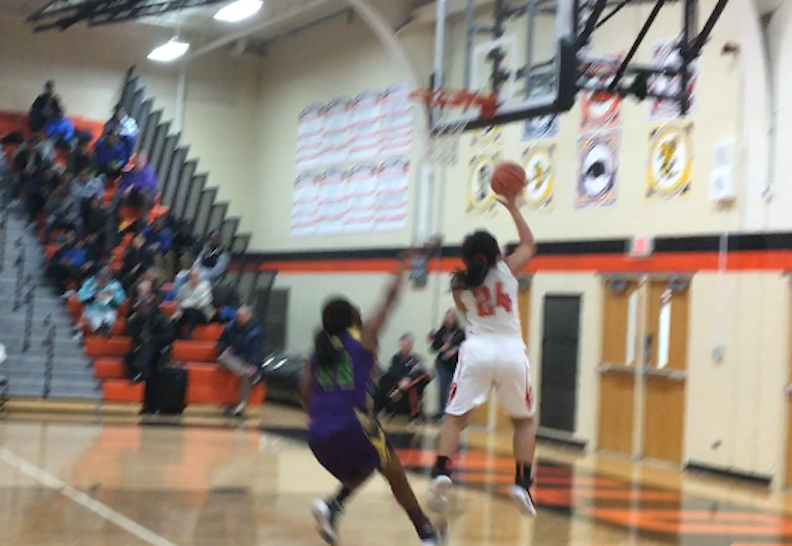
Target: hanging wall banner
(598,167)
(539,162)
(362,198)
(309,137)
(393,183)
(305,203)
(365,116)
(666,54)
(540,128)
(480,197)
(670,161)
(600,110)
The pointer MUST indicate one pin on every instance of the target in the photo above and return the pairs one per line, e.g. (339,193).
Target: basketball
(508,178)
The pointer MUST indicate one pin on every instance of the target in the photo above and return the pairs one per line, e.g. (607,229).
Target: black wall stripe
(701,243)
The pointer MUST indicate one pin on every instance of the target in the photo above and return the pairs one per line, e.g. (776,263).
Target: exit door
(643,371)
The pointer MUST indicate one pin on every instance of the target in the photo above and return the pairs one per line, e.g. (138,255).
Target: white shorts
(492,362)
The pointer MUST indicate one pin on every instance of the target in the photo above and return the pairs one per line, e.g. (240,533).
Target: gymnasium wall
(89,66)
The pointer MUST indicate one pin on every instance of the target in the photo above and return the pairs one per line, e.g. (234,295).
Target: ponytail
(472,276)
(326,349)
(480,253)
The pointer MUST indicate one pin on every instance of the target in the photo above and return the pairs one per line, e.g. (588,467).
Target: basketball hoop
(443,144)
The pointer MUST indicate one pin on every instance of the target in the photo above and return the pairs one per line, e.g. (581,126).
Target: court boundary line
(84,500)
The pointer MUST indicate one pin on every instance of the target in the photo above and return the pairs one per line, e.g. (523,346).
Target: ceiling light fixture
(169,52)
(239,11)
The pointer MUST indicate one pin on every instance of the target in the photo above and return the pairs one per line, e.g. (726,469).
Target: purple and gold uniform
(343,435)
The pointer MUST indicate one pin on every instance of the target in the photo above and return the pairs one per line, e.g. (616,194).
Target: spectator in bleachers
(32,158)
(212,261)
(123,125)
(241,348)
(112,155)
(83,156)
(69,264)
(446,343)
(37,189)
(97,222)
(102,296)
(158,241)
(85,187)
(152,335)
(46,107)
(137,260)
(138,187)
(62,212)
(184,247)
(401,387)
(194,304)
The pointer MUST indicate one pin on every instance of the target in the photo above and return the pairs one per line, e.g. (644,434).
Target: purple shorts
(356,448)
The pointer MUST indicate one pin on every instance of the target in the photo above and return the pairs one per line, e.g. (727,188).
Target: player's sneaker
(429,536)
(326,514)
(522,497)
(438,498)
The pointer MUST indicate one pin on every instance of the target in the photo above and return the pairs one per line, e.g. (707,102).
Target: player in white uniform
(492,356)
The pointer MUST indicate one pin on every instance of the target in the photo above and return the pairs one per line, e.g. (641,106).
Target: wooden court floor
(70,483)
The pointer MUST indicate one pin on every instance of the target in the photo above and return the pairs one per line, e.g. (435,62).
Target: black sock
(342,496)
(442,467)
(422,524)
(523,476)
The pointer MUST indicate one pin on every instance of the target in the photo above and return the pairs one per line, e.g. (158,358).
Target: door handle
(648,349)
(672,375)
(615,368)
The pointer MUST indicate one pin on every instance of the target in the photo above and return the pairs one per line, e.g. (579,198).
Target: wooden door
(788,476)
(620,326)
(491,415)
(666,370)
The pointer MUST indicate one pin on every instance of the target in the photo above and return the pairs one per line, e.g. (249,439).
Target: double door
(643,370)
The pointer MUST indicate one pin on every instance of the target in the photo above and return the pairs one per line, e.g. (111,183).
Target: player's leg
(402,491)
(470,389)
(326,512)
(515,395)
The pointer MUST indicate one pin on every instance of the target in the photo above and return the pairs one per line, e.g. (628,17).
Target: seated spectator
(112,155)
(37,189)
(33,157)
(158,242)
(97,222)
(138,187)
(60,130)
(183,247)
(137,260)
(62,212)
(212,262)
(401,387)
(81,157)
(102,296)
(446,342)
(194,304)
(85,187)
(152,336)
(241,347)
(69,264)
(124,126)
(46,106)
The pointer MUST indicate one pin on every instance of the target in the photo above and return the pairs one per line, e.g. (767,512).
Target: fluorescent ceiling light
(239,10)
(169,52)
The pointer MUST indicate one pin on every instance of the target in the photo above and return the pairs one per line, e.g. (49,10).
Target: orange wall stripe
(665,262)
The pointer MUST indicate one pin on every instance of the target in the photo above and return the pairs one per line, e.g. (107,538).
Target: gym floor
(64,482)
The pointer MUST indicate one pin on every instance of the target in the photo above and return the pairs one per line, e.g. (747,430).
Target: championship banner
(540,128)
(539,162)
(666,54)
(600,110)
(670,161)
(598,168)
(310,131)
(305,203)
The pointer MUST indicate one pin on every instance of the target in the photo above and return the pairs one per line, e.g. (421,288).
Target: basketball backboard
(534,56)
(499,47)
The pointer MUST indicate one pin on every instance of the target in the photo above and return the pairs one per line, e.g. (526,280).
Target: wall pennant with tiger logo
(538,159)
(670,161)
(480,197)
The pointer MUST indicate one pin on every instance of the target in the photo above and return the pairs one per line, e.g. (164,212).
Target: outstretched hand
(508,201)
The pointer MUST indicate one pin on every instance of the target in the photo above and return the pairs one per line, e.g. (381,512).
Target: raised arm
(524,253)
(373,326)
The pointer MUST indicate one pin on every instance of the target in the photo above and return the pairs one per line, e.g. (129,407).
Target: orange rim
(444,98)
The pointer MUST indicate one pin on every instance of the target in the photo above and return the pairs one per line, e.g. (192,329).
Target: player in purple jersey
(344,436)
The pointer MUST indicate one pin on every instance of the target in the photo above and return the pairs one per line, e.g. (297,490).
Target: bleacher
(184,195)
